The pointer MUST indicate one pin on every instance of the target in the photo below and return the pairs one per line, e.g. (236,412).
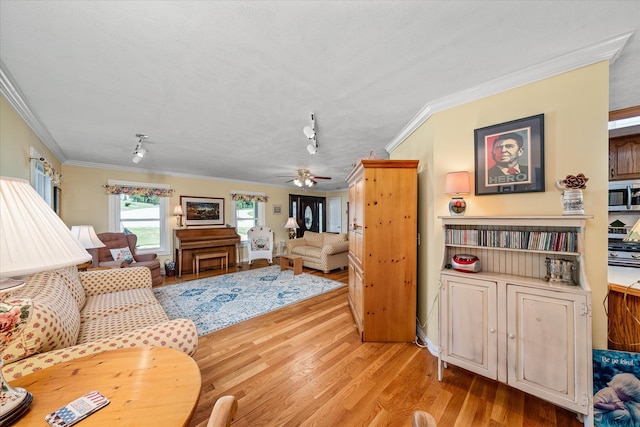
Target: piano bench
(224,260)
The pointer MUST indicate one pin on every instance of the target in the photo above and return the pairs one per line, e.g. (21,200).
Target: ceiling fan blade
(320,177)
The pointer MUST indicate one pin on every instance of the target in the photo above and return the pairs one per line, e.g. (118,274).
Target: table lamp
(32,239)
(457,183)
(178,213)
(291,225)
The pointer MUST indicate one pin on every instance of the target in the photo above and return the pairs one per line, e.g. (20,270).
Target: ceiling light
(297,182)
(310,133)
(139,152)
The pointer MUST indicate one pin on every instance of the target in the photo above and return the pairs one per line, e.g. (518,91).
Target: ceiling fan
(304,178)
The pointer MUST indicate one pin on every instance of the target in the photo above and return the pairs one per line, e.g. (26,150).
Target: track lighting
(139,152)
(310,133)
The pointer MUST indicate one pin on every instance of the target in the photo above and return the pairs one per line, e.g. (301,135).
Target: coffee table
(146,386)
(291,262)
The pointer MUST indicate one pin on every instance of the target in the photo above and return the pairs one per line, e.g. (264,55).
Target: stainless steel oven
(624,254)
(624,196)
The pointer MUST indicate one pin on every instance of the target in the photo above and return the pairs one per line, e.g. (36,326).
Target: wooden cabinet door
(548,352)
(624,157)
(469,330)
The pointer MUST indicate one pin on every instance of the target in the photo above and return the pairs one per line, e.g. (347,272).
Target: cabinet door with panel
(624,157)
(469,324)
(546,356)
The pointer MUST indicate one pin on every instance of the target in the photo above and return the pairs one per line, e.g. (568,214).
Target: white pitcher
(572,202)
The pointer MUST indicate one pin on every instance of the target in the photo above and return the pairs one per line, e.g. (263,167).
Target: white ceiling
(223,89)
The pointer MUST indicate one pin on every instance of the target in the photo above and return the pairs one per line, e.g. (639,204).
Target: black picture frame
(528,175)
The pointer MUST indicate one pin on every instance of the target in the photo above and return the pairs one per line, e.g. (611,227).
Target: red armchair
(103,257)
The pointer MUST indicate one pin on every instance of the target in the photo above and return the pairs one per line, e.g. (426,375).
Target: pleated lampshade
(32,237)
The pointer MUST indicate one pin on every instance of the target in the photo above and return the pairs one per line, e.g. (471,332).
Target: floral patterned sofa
(74,314)
(321,251)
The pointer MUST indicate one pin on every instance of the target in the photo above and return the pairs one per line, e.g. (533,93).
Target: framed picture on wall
(202,210)
(509,157)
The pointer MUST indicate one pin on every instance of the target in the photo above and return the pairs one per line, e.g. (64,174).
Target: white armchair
(260,244)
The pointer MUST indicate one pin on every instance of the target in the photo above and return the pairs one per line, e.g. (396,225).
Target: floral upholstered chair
(260,244)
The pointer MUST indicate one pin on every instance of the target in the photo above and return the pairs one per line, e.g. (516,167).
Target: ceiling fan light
(136,159)
(312,149)
(309,182)
(297,182)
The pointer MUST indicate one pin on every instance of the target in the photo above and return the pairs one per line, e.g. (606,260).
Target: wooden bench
(224,260)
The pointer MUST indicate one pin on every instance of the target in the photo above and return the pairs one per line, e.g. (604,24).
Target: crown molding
(93,165)
(609,49)
(15,97)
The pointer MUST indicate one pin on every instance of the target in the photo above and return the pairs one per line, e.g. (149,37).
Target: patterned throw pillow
(260,244)
(122,254)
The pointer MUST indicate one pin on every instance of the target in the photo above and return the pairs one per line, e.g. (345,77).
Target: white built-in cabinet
(507,322)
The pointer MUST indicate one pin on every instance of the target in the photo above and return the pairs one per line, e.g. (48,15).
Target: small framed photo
(277,209)
(202,210)
(509,157)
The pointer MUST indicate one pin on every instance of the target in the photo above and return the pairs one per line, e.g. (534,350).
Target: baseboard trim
(433,349)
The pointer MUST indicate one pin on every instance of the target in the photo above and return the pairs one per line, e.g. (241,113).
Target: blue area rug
(220,301)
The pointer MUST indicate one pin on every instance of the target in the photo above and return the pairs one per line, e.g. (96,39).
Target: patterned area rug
(220,301)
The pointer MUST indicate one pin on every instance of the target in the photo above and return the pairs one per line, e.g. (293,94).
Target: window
(248,213)
(40,181)
(146,216)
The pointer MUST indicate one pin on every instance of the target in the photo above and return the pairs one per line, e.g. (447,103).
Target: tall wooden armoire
(383,218)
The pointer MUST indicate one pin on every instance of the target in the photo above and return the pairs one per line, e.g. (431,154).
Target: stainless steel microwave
(624,196)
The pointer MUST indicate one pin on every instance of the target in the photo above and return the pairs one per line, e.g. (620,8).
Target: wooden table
(154,386)
(291,262)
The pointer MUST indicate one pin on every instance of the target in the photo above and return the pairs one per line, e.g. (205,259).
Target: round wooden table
(153,386)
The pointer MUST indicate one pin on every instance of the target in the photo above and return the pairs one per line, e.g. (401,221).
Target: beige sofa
(322,251)
(75,314)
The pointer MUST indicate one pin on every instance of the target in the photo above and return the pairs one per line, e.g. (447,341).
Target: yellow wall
(16,137)
(575,107)
(85,202)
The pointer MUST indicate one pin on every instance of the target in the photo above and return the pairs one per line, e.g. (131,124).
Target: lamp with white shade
(87,236)
(178,213)
(457,183)
(32,239)
(292,225)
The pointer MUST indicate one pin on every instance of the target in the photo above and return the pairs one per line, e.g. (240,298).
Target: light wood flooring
(304,365)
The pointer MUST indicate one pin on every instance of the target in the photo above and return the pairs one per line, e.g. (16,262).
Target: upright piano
(190,241)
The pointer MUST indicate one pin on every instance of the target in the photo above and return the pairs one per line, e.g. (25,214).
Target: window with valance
(142,209)
(248,210)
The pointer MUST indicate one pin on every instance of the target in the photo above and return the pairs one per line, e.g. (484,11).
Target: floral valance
(249,197)
(138,191)
(54,175)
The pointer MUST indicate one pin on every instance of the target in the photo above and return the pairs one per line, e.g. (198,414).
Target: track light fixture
(139,152)
(310,133)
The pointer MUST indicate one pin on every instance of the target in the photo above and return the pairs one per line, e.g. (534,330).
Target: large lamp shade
(32,237)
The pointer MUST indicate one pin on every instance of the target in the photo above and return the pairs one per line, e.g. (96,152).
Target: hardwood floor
(304,365)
